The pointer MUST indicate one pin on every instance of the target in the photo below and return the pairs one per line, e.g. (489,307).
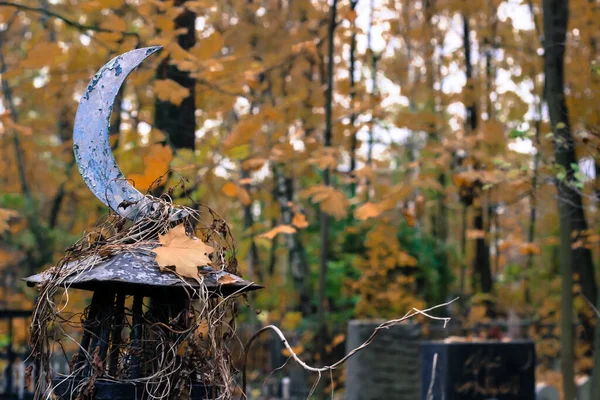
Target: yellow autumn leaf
(282,152)
(406,260)
(296,349)
(5,216)
(182,254)
(207,48)
(366,211)
(156,163)
(113,22)
(338,339)
(365,172)
(243,132)
(112,4)
(109,37)
(291,320)
(475,234)
(164,23)
(198,6)
(6,257)
(331,201)
(243,196)
(22,129)
(42,54)
(529,248)
(277,230)
(254,164)
(232,190)
(325,158)
(171,91)
(429,183)
(299,220)
(91,6)
(229,189)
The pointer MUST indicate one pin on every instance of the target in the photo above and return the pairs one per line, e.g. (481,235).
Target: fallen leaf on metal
(182,254)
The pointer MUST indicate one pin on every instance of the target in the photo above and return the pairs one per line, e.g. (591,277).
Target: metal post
(136,333)
(87,334)
(10,357)
(116,334)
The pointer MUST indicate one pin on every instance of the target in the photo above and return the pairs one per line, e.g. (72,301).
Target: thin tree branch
(384,326)
(66,20)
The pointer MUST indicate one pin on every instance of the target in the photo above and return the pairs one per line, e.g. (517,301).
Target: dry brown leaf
(182,254)
(171,91)
(299,221)
(277,230)
(227,279)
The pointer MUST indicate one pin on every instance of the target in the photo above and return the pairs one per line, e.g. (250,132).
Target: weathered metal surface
(91,145)
(139,268)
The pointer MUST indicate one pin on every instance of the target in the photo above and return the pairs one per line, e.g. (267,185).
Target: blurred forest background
(370,156)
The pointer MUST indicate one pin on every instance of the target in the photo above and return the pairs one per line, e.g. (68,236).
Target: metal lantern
(135,308)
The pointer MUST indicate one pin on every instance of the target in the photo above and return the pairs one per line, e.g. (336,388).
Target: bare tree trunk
(179,122)
(463,249)
(482,251)
(324,217)
(556,16)
(471,116)
(439,216)
(253,261)
(481,262)
(297,261)
(595,378)
(595,386)
(354,139)
(534,182)
(373,94)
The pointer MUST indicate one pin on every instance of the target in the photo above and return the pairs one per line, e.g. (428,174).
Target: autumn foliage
(439,176)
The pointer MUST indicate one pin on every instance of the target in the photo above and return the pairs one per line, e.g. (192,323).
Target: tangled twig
(320,370)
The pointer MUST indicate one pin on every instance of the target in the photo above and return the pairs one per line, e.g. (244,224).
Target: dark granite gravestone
(388,368)
(478,371)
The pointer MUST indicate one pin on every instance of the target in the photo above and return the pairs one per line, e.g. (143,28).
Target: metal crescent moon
(91,146)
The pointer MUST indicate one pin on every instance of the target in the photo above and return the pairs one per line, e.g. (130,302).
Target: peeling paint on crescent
(91,144)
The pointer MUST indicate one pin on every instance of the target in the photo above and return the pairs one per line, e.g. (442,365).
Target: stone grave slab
(478,371)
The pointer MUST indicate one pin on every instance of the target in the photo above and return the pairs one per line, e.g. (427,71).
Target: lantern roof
(136,270)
